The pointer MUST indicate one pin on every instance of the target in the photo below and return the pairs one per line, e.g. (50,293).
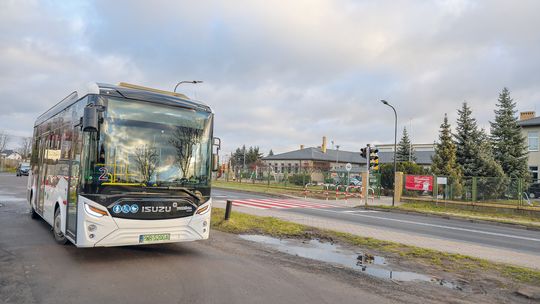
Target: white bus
(122,164)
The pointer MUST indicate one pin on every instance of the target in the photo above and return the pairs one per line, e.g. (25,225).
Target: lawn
(453,210)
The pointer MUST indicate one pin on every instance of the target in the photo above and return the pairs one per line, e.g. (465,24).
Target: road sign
(442,180)
(348,167)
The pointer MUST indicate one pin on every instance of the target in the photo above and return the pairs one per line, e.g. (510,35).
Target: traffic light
(374,159)
(363,152)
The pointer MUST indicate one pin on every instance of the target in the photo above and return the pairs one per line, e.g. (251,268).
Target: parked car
(534,190)
(23,169)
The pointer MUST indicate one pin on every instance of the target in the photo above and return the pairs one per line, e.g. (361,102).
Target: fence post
(435,189)
(228,208)
(398,186)
(520,192)
(474,190)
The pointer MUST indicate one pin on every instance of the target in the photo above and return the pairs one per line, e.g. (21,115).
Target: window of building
(534,173)
(533,140)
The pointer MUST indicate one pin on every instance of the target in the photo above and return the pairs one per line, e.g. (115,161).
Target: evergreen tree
(466,140)
(405,151)
(509,146)
(487,165)
(271,153)
(445,160)
(474,153)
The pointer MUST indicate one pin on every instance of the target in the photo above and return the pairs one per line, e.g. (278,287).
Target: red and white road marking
(278,204)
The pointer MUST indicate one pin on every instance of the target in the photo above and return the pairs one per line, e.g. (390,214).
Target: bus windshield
(142,144)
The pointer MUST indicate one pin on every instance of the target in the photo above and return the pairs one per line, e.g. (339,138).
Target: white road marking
(361,211)
(441,226)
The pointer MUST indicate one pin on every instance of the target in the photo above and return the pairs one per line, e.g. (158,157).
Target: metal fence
(484,190)
(307,181)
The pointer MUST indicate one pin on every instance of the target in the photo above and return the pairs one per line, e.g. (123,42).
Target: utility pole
(368,151)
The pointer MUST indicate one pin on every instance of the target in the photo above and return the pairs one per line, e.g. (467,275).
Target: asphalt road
(493,235)
(223,269)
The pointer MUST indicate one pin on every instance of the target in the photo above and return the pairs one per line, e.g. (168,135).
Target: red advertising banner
(419,182)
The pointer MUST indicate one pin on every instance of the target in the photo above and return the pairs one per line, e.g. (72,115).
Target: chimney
(301,147)
(323,147)
(526,115)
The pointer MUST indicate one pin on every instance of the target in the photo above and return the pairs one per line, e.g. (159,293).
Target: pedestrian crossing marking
(278,204)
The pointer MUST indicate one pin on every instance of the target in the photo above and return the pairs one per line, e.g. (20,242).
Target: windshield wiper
(183,189)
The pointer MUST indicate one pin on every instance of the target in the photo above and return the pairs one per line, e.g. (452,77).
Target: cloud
(279,74)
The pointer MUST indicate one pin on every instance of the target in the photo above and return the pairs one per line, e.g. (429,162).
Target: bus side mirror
(215,162)
(90,119)
(216,142)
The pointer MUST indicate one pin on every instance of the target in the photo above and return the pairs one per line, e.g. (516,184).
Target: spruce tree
(509,146)
(405,151)
(474,153)
(466,140)
(271,153)
(445,160)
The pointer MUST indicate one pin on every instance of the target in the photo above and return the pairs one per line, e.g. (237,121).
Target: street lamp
(395,147)
(186,81)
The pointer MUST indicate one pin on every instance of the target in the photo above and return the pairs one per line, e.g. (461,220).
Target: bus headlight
(94,211)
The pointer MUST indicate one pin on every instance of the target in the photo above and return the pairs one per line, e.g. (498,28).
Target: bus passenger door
(74,183)
(42,178)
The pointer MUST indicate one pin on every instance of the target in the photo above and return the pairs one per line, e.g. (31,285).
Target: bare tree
(147,160)
(4,140)
(24,147)
(183,139)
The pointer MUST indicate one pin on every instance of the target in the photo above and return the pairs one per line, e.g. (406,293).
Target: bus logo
(134,208)
(117,209)
(126,208)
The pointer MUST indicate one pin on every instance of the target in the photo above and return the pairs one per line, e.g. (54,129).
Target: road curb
(453,217)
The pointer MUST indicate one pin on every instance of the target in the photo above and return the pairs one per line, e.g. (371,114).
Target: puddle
(375,266)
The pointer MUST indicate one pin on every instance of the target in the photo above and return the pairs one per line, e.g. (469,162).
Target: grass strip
(241,223)
(450,210)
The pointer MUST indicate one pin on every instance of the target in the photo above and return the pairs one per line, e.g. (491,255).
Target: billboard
(419,182)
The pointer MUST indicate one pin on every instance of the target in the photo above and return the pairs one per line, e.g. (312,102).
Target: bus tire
(33,213)
(59,237)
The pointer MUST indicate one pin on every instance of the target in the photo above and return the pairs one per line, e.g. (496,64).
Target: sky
(279,74)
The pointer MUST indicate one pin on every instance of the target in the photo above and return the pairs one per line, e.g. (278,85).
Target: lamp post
(395,146)
(186,81)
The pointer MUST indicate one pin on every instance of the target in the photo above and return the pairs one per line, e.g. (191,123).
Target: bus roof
(125,90)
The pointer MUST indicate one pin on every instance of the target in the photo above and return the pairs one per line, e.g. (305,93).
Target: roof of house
(313,153)
(530,122)
(422,157)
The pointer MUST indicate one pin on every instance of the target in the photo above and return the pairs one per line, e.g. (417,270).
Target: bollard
(228,208)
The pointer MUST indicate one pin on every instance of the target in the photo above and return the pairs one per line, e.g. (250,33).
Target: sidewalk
(484,252)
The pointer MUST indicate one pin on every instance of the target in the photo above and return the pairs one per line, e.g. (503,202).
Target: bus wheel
(59,237)
(33,213)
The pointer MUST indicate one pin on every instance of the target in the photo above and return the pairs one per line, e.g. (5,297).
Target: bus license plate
(150,238)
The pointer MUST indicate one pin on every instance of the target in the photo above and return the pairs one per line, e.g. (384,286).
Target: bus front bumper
(110,231)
